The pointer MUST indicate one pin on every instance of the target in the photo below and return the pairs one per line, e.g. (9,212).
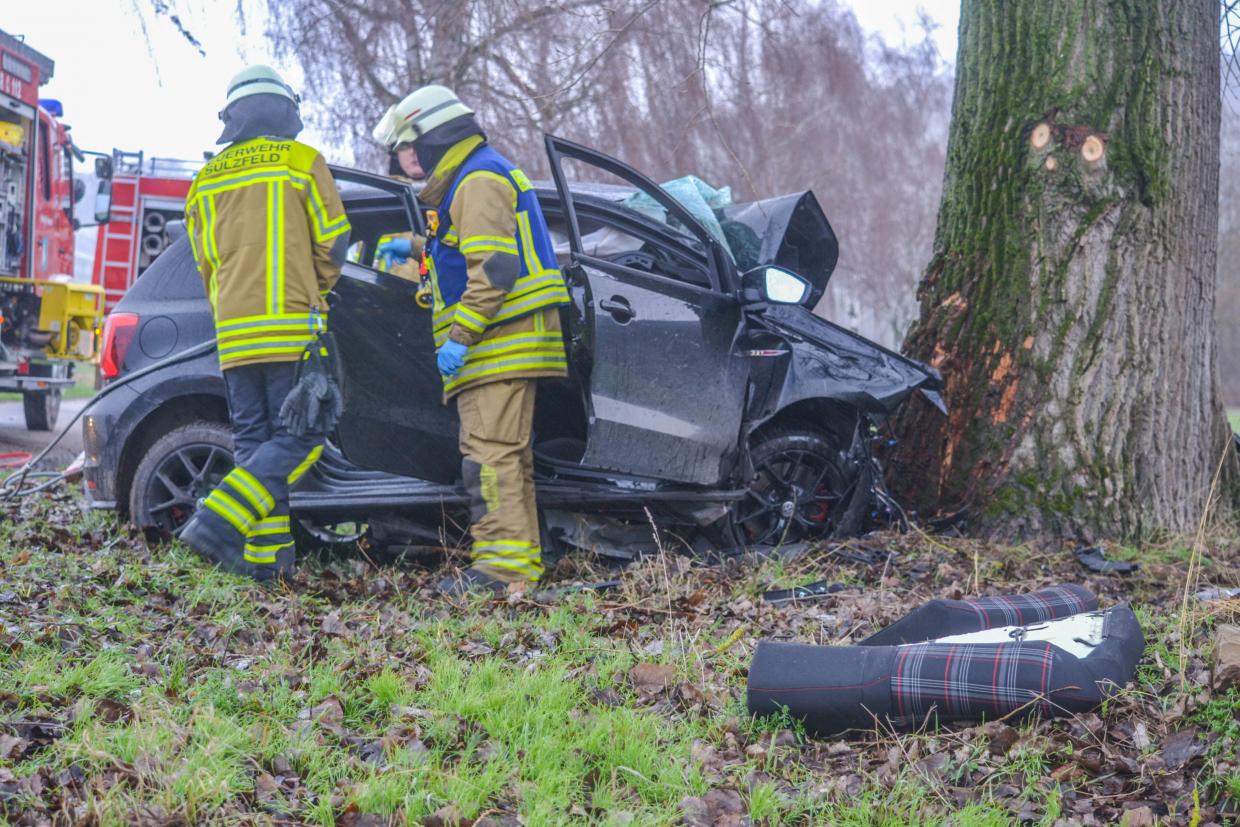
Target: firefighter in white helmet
(497,293)
(269,233)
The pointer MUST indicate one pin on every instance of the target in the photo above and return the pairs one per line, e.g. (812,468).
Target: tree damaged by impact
(1069,301)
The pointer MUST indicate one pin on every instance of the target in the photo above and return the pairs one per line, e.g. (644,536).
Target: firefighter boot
(282,571)
(470,581)
(269,547)
(215,541)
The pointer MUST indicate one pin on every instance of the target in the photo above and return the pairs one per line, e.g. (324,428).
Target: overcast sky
(162,97)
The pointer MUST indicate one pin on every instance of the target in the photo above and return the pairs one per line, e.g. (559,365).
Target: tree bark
(1069,301)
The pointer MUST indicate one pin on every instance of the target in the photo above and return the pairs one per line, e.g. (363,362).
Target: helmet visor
(385,130)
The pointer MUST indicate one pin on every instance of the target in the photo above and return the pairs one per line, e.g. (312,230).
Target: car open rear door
(666,392)
(394,418)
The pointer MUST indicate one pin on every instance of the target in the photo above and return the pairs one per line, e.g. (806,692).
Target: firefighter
(496,298)
(269,233)
(403,166)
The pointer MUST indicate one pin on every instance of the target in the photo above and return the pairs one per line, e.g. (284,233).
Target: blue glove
(398,249)
(451,357)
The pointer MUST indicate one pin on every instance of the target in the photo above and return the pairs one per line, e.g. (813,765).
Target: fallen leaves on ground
(1161,753)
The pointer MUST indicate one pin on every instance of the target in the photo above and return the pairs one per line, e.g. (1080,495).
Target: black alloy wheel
(796,491)
(181,467)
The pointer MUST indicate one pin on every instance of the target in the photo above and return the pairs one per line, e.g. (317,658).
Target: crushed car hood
(793,233)
(830,361)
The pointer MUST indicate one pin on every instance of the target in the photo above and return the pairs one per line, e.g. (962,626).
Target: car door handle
(619,308)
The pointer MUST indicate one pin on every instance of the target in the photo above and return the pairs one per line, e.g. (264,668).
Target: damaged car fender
(818,360)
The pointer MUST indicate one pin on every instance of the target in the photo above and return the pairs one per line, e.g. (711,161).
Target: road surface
(15,437)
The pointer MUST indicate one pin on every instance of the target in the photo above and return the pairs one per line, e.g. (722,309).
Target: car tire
(42,408)
(181,467)
(797,490)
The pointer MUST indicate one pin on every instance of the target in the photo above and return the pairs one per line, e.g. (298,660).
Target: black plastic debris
(1094,559)
(1217,594)
(954,524)
(810,591)
(864,556)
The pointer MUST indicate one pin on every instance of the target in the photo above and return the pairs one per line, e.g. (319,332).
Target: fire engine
(48,321)
(136,208)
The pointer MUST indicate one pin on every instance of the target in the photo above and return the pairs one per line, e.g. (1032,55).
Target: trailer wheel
(42,408)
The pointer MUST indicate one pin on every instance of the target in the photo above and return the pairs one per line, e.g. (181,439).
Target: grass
(185,692)
(1233,416)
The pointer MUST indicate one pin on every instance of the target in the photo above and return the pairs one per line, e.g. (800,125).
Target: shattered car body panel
(828,362)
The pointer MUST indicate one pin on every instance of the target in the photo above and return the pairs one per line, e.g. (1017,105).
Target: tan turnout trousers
(497,421)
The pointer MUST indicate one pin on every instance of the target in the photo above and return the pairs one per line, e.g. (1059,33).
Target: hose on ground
(14,485)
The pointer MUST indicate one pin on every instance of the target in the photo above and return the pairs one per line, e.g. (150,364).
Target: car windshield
(706,203)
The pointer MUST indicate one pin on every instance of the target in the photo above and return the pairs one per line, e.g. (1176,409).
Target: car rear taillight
(118,331)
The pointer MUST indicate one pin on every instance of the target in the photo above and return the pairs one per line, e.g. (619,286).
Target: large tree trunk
(1069,302)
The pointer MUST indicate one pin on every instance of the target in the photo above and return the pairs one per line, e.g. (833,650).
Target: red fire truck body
(36,169)
(146,195)
(48,321)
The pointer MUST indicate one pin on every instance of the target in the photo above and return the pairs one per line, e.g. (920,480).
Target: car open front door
(666,391)
(394,419)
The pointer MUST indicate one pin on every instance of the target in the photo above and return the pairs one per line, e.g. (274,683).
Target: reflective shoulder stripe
(488,174)
(325,227)
(523,183)
(237,180)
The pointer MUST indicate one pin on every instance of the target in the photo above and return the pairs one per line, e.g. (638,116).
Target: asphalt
(15,437)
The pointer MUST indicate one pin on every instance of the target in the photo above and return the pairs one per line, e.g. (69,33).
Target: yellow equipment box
(71,311)
(12,134)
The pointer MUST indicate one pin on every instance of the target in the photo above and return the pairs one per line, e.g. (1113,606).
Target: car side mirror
(79,190)
(103,202)
(775,285)
(103,168)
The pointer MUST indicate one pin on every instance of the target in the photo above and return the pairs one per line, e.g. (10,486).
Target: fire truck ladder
(120,236)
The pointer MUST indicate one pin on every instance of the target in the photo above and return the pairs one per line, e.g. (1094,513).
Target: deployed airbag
(1055,667)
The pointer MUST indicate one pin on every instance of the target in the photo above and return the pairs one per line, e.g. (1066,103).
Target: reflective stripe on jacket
(268,231)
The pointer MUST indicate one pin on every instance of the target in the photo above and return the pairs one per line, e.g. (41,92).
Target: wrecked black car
(702,393)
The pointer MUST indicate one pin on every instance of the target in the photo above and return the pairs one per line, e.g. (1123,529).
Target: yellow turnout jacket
(269,233)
